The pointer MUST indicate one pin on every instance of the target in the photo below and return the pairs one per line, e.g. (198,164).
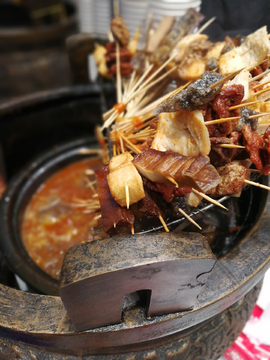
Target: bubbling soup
(60,215)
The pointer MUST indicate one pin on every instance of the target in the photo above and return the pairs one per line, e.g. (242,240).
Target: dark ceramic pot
(14,201)
(38,325)
(205,331)
(33,129)
(244,214)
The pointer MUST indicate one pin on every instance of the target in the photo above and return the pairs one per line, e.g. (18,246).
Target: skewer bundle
(220,120)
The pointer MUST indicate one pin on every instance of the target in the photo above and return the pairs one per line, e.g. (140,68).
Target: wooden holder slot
(96,276)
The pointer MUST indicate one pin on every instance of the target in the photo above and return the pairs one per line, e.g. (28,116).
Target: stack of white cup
(133,12)
(95,17)
(161,8)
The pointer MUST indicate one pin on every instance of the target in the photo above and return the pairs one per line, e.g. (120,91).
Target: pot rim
(21,103)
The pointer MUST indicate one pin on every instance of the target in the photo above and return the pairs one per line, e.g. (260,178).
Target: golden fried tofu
(183,132)
(251,53)
(124,177)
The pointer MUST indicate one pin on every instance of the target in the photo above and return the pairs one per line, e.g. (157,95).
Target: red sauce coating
(52,223)
(120,107)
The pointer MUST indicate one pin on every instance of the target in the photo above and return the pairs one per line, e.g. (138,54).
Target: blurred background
(33,34)
(35,55)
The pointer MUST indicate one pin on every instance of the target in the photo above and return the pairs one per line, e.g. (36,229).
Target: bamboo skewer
(243,104)
(257,184)
(262,84)
(85,151)
(97,217)
(118,74)
(89,172)
(208,198)
(121,145)
(228,77)
(163,223)
(231,146)
(209,22)
(127,195)
(132,146)
(262,91)
(131,80)
(260,75)
(160,68)
(138,83)
(189,218)
(218,121)
(144,88)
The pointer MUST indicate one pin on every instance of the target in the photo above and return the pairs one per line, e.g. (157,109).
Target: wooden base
(207,340)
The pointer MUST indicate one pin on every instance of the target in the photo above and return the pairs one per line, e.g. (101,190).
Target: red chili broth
(52,223)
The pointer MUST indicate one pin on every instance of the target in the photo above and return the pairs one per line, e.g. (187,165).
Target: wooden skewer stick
(262,84)
(110,120)
(163,223)
(231,146)
(144,88)
(131,81)
(262,91)
(116,7)
(85,151)
(209,22)
(97,217)
(228,77)
(217,121)
(89,172)
(208,198)
(244,104)
(118,74)
(108,113)
(127,195)
(189,218)
(138,83)
(160,68)
(121,145)
(257,184)
(260,75)
(110,36)
(132,146)
(132,229)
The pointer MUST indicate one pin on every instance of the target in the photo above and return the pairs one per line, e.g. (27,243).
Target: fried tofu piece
(122,159)
(183,132)
(251,53)
(124,174)
(192,71)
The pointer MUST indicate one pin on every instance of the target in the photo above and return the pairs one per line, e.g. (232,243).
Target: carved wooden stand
(207,340)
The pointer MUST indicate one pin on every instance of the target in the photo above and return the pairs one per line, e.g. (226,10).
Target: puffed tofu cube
(122,176)
(119,160)
(251,53)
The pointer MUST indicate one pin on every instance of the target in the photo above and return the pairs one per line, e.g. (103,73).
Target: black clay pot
(13,205)
(220,312)
(35,128)
(244,214)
